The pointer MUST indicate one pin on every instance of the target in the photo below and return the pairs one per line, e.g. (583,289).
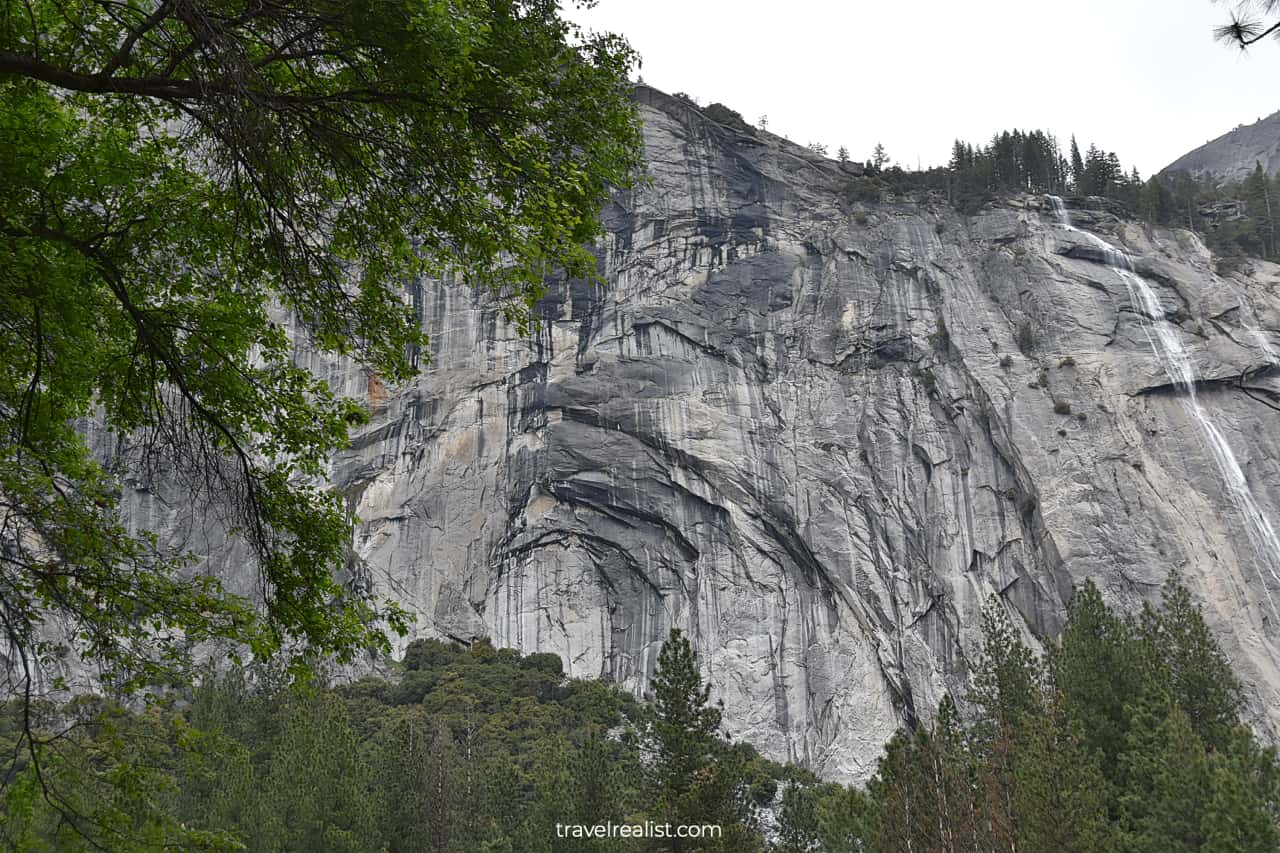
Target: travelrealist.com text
(648,829)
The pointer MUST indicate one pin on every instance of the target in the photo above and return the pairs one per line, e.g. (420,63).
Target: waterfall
(1166,343)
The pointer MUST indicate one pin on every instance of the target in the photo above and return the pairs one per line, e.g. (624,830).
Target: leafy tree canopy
(190,193)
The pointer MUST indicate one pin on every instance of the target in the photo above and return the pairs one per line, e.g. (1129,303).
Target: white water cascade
(1166,343)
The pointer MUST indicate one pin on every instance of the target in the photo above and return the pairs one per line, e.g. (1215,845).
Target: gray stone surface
(818,436)
(1232,156)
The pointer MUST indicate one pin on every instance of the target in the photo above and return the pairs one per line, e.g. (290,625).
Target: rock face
(1232,156)
(818,436)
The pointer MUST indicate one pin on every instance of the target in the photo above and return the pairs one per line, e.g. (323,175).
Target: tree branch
(126,48)
(1260,36)
(180,89)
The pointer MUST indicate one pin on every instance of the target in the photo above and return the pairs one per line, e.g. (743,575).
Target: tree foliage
(1124,736)
(1236,219)
(1251,22)
(1032,161)
(691,778)
(489,750)
(1112,740)
(194,192)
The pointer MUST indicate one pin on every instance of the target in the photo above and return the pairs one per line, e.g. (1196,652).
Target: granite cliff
(1234,155)
(818,435)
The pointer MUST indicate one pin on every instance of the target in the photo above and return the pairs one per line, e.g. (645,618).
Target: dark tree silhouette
(1251,22)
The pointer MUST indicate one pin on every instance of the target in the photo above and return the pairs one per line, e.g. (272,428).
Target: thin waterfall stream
(1166,343)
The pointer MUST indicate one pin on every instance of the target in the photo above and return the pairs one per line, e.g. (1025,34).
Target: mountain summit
(1231,157)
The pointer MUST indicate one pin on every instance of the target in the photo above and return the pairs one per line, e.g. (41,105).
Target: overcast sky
(1143,78)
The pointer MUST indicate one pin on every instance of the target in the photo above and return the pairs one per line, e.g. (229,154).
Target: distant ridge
(1231,157)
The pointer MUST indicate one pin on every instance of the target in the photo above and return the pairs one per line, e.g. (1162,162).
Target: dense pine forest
(1124,735)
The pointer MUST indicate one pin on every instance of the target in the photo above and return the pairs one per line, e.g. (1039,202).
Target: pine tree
(925,790)
(1077,166)
(1200,680)
(1113,175)
(691,780)
(684,720)
(1244,796)
(600,770)
(1258,205)
(798,828)
(879,157)
(401,756)
(1006,683)
(1060,793)
(1156,203)
(1095,671)
(554,787)
(846,820)
(316,743)
(1164,776)
(997,822)
(952,779)
(1006,693)
(905,819)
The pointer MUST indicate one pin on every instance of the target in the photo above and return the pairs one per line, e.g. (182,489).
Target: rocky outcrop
(1233,156)
(819,435)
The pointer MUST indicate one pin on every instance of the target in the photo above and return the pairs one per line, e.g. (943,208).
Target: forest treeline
(1125,735)
(1236,219)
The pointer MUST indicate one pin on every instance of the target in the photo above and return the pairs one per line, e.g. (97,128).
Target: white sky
(1143,78)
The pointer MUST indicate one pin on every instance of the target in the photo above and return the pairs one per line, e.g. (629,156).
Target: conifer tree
(1244,796)
(1077,165)
(798,829)
(555,802)
(952,777)
(847,820)
(1200,681)
(924,789)
(1060,793)
(899,789)
(998,824)
(1095,670)
(1251,21)
(1258,204)
(1155,202)
(1165,780)
(316,785)
(417,767)
(690,781)
(598,784)
(684,719)
(1006,682)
